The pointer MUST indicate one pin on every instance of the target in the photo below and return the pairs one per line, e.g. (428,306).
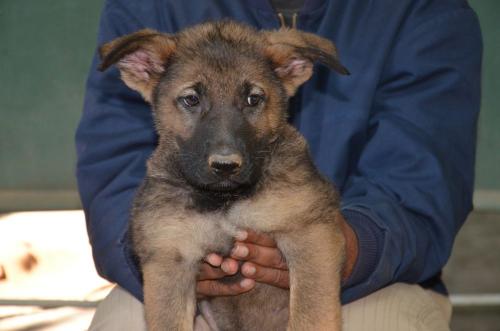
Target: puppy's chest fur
(165,219)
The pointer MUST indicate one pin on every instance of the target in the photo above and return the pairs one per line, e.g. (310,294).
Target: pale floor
(46,255)
(56,319)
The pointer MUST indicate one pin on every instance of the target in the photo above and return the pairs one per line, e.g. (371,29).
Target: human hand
(208,282)
(262,262)
(261,259)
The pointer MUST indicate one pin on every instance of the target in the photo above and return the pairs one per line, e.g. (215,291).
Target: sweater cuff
(370,243)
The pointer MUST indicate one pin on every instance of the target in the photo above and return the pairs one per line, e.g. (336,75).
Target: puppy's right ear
(141,58)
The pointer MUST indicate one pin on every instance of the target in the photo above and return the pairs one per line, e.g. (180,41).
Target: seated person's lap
(399,307)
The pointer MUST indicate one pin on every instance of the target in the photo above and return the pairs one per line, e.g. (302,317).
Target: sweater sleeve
(114,138)
(411,189)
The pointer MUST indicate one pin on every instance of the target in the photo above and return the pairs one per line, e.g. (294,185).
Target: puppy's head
(219,92)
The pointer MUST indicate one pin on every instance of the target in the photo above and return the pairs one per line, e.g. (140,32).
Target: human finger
(230,266)
(214,259)
(258,238)
(215,288)
(265,256)
(275,277)
(208,272)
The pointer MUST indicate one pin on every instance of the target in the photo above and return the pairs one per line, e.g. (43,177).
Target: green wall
(488,152)
(487,195)
(45,52)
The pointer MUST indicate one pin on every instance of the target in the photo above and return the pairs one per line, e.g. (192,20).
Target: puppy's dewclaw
(226,161)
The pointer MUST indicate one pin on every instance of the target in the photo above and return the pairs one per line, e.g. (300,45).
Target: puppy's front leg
(169,295)
(315,256)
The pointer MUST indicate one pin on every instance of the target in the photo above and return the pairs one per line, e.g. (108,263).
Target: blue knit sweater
(397,137)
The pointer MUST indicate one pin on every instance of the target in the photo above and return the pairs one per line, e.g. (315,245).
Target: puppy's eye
(253,100)
(190,101)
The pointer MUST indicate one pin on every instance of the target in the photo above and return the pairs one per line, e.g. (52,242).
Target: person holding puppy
(396,137)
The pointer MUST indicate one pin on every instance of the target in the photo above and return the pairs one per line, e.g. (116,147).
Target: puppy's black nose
(225,164)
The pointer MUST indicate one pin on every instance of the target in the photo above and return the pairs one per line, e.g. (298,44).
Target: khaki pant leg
(399,307)
(119,311)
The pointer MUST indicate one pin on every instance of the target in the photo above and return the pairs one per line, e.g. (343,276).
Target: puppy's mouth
(222,186)
(238,185)
(225,186)
(220,195)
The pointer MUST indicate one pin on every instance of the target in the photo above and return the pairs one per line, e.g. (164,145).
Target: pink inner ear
(142,64)
(295,67)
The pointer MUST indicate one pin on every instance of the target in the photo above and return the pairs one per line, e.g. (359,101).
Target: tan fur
(291,202)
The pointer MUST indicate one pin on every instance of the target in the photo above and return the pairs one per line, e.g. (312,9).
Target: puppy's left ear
(141,58)
(293,54)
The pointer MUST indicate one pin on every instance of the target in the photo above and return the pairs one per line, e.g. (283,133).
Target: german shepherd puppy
(228,160)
